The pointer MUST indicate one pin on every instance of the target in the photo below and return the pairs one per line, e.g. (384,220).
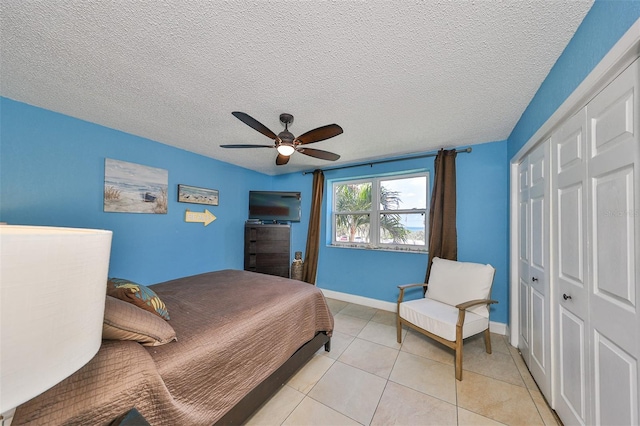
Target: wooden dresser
(267,249)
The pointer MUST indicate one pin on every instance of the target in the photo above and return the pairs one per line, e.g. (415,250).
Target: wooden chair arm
(469,304)
(403,287)
(466,305)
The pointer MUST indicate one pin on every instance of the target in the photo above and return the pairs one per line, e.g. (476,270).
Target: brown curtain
(443,239)
(310,268)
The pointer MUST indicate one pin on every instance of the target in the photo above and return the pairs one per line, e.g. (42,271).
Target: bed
(240,335)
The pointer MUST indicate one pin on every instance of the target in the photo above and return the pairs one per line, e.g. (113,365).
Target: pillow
(124,321)
(138,294)
(453,282)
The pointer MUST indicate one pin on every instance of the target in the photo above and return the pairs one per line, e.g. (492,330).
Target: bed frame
(269,386)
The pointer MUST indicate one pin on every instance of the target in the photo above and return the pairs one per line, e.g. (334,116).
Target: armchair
(455,305)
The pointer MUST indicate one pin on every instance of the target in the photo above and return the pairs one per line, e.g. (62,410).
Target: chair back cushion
(453,282)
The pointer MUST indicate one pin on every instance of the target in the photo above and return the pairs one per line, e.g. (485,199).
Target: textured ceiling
(399,77)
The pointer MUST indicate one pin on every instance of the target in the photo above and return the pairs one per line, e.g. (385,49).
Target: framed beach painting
(195,195)
(134,188)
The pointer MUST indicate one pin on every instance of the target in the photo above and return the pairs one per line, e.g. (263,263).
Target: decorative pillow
(124,321)
(138,294)
(453,282)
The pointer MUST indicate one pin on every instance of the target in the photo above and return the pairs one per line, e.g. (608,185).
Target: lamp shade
(52,298)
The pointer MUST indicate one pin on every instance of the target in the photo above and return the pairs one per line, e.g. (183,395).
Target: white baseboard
(495,327)
(360,300)
(498,328)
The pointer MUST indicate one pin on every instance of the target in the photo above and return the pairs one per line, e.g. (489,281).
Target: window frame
(376,212)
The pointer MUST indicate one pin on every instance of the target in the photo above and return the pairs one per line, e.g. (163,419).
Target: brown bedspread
(234,329)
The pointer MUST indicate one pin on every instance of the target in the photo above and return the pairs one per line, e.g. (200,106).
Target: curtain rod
(370,164)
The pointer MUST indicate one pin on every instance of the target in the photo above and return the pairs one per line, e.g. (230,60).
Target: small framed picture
(195,195)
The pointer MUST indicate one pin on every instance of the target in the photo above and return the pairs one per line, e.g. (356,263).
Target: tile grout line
(323,374)
(294,408)
(405,331)
(306,395)
(388,379)
(334,361)
(529,390)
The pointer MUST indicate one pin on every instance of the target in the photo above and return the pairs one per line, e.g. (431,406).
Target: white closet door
(614,217)
(571,394)
(539,359)
(596,208)
(534,340)
(524,250)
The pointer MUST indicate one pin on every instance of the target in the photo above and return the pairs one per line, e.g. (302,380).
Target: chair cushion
(440,318)
(454,282)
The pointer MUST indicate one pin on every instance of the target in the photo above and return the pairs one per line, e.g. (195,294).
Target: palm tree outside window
(381,212)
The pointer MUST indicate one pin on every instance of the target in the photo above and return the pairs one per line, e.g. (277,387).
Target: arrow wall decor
(205,217)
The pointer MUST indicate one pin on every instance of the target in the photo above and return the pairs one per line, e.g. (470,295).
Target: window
(387,212)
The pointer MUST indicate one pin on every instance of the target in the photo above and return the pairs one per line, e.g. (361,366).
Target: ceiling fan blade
(253,123)
(282,160)
(319,134)
(247,146)
(317,153)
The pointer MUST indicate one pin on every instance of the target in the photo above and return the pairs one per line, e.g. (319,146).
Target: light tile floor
(370,379)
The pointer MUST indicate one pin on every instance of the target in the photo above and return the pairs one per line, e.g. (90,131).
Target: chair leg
(459,343)
(487,340)
(398,328)
(459,360)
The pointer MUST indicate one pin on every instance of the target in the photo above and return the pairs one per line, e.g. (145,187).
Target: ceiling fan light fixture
(286,143)
(286,149)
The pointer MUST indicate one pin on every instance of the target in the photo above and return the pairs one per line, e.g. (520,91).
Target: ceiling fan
(286,143)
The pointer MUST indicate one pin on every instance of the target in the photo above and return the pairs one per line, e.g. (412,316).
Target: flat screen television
(274,206)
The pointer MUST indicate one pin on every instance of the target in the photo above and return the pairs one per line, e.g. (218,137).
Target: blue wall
(52,173)
(603,26)
(482,229)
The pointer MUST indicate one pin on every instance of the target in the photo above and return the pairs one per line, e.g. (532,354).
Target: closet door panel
(614,322)
(524,231)
(525,329)
(572,369)
(538,300)
(570,232)
(613,239)
(570,271)
(569,150)
(538,236)
(539,336)
(615,369)
(612,118)
(539,309)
